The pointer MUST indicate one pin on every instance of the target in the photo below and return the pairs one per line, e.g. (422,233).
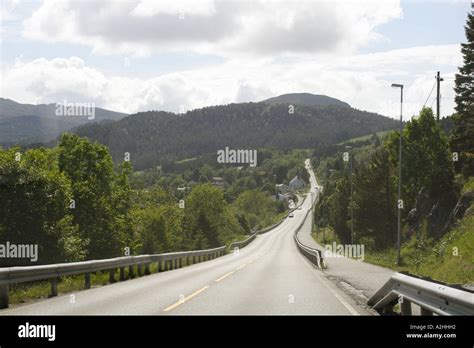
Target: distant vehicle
(300,208)
(291,215)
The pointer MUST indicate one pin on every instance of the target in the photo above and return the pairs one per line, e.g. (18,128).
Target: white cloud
(149,8)
(227,28)
(361,80)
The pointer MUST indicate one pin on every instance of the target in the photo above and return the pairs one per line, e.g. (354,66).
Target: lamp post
(399,205)
(352,210)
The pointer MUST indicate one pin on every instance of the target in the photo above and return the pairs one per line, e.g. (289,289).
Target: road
(269,276)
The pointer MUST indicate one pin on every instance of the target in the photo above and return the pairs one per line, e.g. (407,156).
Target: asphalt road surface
(268,277)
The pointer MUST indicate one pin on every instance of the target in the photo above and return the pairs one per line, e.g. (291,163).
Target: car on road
(291,215)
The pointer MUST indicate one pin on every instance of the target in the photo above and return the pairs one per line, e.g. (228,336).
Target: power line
(434,84)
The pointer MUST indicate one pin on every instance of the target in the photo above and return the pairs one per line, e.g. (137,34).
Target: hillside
(306,99)
(154,138)
(27,123)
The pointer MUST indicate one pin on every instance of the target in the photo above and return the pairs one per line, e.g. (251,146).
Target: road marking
(240,267)
(225,276)
(344,302)
(167,309)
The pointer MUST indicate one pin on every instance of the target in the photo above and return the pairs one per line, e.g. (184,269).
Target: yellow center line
(224,276)
(180,302)
(240,267)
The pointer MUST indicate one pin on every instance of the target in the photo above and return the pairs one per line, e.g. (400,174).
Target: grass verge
(450,260)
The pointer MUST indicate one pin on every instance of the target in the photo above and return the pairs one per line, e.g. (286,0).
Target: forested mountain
(307,99)
(154,138)
(27,123)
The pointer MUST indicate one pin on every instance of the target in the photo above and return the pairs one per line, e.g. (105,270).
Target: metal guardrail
(313,255)
(269,228)
(167,261)
(432,297)
(245,242)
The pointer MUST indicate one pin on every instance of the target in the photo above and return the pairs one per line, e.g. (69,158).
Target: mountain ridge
(307,99)
(30,123)
(156,137)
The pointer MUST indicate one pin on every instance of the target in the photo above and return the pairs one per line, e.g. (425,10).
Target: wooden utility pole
(438,95)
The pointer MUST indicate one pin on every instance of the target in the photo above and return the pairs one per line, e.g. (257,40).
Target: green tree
(375,202)
(426,163)
(338,207)
(462,140)
(34,206)
(97,205)
(205,216)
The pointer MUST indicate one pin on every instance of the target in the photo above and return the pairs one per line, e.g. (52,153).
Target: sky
(179,55)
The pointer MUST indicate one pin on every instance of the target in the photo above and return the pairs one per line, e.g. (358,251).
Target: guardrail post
(54,287)
(161,266)
(405,307)
(112,275)
(180,263)
(424,311)
(388,309)
(122,274)
(87,281)
(147,269)
(139,270)
(168,265)
(195,259)
(130,272)
(4,296)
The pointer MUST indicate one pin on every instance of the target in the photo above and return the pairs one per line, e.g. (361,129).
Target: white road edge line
(344,302)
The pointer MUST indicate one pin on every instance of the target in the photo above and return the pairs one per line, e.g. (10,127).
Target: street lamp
(397,85)
(352,209)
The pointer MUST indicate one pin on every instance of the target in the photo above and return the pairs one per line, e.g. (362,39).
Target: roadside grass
(30,291)
(450,260)
(24,292)
(324,235)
